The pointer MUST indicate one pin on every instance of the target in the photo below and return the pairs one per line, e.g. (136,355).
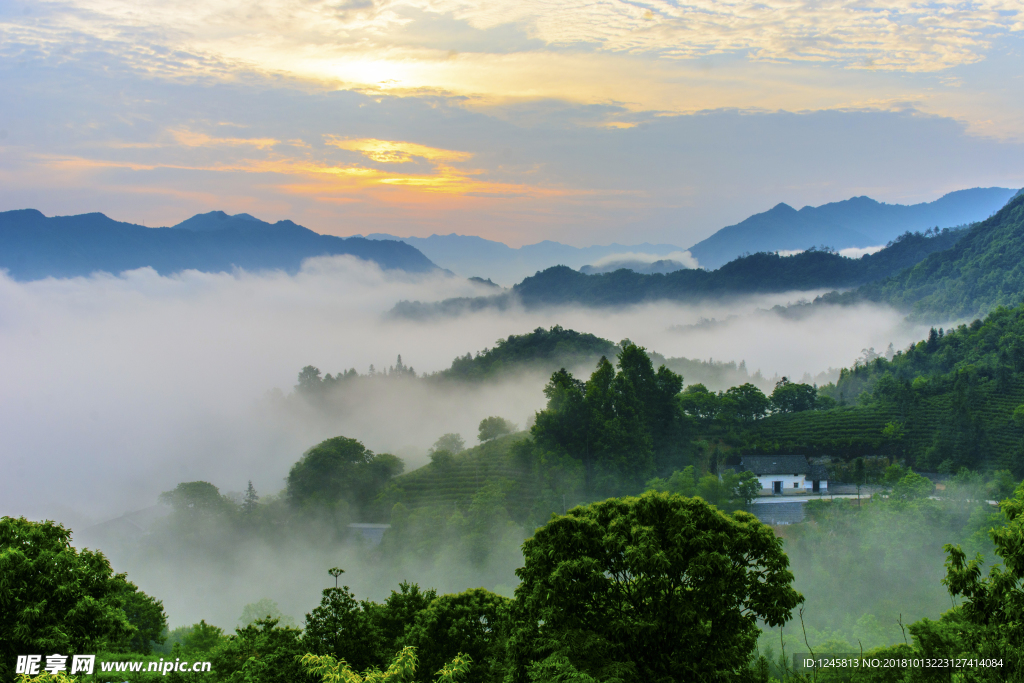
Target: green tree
(196,499)
(859,476)
(201,638)
(912,486)
(493,427)
(401,670)
(340,470)
(147,617)
(616,425)
(789,397)
(473,622)
(310,383)
(442,459)
(260,652)
(343,628)
(990,615)
(46,677)
(656,588)
(264,608)
(700,403)
(746,402)
(54,598)
(251,500)
(391,618)
(453,443)
(657,393)
(729,492)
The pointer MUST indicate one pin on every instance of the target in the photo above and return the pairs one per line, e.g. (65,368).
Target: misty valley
(505,341)
(344,472)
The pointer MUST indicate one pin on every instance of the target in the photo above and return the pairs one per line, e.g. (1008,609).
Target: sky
(582,122)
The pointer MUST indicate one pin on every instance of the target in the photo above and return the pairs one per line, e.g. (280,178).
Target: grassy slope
(857,430)
(969,360)
(453,486)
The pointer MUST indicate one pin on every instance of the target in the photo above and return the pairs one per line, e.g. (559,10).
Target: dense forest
(663,587)
(813,269)
(950,401)
(981,272)
(541,351)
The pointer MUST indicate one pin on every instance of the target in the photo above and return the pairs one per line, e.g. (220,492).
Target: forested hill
(855,222)
(34,246)
(983,270)
(953,400)
(541,350)
(757,273)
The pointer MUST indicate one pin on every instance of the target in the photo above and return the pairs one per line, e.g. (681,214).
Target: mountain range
(468,255)
(34,246)
(982,271)
(757,273)
(855,222)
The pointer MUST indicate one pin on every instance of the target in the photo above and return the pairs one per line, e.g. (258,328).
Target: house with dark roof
(782,475)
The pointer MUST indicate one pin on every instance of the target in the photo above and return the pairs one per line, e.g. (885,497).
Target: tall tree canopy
(989,623)
(658,588)
(620,426)
(340,470)
(54,598)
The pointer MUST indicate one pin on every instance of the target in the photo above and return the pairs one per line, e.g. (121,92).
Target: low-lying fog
(115,388)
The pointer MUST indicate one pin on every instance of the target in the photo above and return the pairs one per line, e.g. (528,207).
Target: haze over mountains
(979,273)
(469,256)
(760,273)
(33,246)
(855,222)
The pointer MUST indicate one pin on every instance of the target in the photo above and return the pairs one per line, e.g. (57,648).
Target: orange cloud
(328,182)
(192,139)
(392,152)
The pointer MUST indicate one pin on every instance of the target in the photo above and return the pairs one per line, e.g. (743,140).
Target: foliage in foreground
(401,670)
(54,598)
(656,588)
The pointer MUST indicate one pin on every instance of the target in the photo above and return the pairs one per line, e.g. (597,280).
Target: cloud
(857,252)
(538,171)
(666,56)
(193,139)
(126,385)
(284,36)
(683,257)
(386,151)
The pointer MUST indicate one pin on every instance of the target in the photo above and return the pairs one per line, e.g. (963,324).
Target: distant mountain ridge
(855,222)
(469,255)
(983,270)
(757,273)
(34,246)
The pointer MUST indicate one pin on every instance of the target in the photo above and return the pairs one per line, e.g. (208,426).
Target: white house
(782,475)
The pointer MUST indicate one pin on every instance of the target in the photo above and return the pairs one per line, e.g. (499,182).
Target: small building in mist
(786,475)
(371,533)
